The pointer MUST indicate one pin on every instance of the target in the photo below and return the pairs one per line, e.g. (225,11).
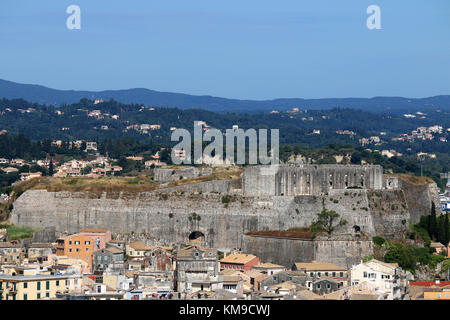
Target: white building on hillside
(388,278)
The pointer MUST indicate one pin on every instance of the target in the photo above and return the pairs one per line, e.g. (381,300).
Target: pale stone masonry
(294,180)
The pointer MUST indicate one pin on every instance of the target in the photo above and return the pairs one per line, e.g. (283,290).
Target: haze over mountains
(45,95)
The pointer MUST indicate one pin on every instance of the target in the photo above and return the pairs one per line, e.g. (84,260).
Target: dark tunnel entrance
(196,236)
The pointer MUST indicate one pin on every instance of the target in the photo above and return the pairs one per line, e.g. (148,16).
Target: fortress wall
(389,212)
(217,186)
(167,175)
(284,251)
(343,251)
(291,180)
(419,198)
(165,215)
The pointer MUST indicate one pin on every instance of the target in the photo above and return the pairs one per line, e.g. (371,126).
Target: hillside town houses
(95,264)
(94,166)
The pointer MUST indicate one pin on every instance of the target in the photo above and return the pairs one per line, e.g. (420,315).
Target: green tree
(445,267)
(404,255)
(51,170)
(446,231)
(328,221)
(432,226)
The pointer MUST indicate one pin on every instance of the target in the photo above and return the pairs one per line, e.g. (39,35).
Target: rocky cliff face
(419,197)
(169,215)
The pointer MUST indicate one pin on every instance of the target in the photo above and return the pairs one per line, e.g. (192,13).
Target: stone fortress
(264,198)
(297,180)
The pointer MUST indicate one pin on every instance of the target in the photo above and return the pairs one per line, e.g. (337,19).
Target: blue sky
(255,49)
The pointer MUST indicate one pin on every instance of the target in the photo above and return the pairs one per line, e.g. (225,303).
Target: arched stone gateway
(196,236)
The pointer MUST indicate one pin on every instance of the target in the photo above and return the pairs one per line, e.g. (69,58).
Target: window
(328,286)
(77,242)
(87,242)
(318,274)
(67,283)
(311,274)
(47,285)
(365,274)
(25,296)
(57,283)
(39,287)
(38,295)
(334,274)
(70,242)
(25,285)
(341,274)
(87,249)
(326,274)
(77,249)
(318,286)
(70,249)
(47,294)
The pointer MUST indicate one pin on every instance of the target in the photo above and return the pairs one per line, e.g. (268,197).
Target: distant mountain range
(45,95)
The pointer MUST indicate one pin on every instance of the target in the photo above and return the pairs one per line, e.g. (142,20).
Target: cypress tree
(50,168)
(433,227)
(446,236)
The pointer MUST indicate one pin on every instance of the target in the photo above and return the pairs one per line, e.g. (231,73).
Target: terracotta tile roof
(307,294)
(318,266)
(254,273)
(437,245)
(284,285)
(392,265)
(359,296)
(238,258)
(114,250)
(209,253)
(430,284)
(139,245)
(268,266)
(229,272)
(270,295)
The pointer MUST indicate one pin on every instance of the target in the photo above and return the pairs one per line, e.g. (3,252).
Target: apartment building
(28,283)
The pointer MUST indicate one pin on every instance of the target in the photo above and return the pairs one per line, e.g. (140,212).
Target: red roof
(430,284)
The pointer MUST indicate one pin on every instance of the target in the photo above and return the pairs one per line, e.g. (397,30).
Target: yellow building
(440,295)
(27,283)
(137,249)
